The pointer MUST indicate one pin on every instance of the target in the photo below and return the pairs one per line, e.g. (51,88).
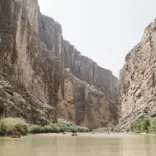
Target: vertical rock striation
(43,77)
(138,77)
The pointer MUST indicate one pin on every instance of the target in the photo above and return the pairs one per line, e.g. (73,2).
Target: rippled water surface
(82,145)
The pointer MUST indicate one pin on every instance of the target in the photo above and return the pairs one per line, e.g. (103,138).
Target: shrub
(153,125)
(140,125)
(56,128)
(82,129)
(22,128)
(35,129)
(52,128)
(145,125)
(9,126)
(61,127)
(73,129)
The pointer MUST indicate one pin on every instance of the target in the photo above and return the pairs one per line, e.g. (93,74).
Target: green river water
(82,145)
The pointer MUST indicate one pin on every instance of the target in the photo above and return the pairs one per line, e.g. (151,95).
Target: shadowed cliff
(43,77)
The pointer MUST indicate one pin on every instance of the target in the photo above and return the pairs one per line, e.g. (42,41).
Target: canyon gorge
(43,77)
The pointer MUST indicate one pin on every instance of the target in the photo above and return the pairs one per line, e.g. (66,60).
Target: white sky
(104,30)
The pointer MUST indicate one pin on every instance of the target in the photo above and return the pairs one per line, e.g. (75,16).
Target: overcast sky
(104,30)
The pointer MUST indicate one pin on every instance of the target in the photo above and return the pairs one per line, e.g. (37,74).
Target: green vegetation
(141,125)
(153,125)
(144,125)
(8,126)
(57,128)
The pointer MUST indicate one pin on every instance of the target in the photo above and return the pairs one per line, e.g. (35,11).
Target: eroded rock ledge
(43,77)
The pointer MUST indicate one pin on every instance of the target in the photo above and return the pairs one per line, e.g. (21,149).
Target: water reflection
(84,144)
(139,145)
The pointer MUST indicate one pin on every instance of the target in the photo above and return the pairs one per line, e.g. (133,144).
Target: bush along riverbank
(10,126)
(143,125)
(140,125)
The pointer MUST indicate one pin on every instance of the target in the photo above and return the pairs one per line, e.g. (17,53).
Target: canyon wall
(138,78)
(43,77)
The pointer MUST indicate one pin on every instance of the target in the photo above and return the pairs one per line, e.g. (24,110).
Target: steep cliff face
(27,61)
(85,104)
(44,77)
(88,71)
(138,78)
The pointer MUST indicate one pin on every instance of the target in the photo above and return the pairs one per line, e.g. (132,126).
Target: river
(83,145)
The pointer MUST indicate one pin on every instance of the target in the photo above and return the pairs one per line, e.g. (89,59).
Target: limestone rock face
(85,104)
(43,77)
(26,60)
(88,71)
(138,78)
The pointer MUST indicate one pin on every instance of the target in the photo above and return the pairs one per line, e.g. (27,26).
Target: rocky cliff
(138,78)
(43,77)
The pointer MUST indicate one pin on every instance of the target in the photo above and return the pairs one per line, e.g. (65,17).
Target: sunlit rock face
(138,78)
(43,77)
